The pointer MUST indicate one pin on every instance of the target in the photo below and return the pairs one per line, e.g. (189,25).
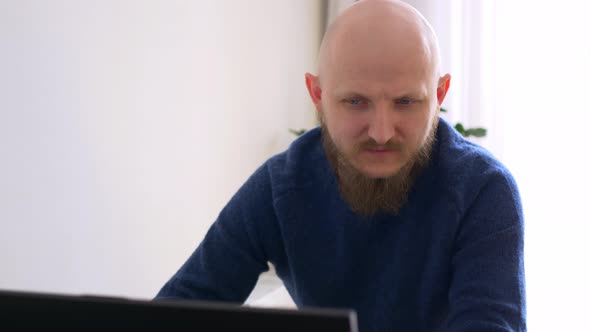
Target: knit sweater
(450,260)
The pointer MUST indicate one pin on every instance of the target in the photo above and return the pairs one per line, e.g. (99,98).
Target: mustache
(371,144)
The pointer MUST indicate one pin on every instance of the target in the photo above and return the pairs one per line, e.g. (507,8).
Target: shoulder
(466,169)
(301,165)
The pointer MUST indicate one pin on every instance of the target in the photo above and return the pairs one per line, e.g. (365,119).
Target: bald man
(384,208)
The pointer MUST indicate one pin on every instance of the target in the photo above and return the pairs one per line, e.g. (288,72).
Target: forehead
(396,62)
(378,76)
(388,46)
(388,89)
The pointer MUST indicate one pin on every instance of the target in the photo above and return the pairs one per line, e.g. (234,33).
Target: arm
(227,263)
(487,289)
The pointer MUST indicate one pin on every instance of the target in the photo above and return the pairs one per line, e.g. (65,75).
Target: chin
(380,172)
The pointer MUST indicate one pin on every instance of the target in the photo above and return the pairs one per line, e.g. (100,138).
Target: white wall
(125,126)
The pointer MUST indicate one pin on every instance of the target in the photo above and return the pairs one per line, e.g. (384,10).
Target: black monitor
(25,311)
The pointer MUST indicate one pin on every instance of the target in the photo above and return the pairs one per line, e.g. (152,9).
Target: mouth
(379,151)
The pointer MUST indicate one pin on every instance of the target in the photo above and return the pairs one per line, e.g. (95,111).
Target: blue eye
(354,101)
(404,101)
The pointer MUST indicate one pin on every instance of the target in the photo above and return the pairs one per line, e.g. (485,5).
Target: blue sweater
(451,260)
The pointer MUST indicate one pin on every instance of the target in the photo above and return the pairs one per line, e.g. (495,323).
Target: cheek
(411,130)
(421,128)
(346,132)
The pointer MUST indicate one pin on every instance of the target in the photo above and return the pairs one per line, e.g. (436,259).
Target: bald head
(384,37)
(378,94)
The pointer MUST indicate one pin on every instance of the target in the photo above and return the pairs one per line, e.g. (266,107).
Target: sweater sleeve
(487,289)
(227,263)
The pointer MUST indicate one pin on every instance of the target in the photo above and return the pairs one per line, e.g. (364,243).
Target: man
(384,209)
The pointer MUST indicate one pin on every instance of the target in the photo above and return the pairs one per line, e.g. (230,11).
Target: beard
(368,196)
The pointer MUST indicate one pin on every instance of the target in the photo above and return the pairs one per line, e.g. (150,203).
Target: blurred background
(126,126)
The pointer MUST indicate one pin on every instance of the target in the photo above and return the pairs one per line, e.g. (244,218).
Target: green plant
(298,132)
(466,132)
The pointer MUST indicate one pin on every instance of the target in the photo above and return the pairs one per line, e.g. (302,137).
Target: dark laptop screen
(43,311)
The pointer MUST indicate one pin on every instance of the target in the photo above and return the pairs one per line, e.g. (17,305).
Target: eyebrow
(414,93)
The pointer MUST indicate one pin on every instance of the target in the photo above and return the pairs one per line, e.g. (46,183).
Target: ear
(443,86)
(313,87)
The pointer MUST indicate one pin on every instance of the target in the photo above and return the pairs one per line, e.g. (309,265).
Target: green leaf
(443,110)
(459,127)
(298,132)
(477,132)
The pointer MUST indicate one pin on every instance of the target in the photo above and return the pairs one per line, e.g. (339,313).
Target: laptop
(25,311)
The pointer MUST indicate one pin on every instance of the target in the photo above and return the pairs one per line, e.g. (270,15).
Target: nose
(381,127)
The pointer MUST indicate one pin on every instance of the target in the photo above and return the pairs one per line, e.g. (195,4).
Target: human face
(378,124)
(378,92)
